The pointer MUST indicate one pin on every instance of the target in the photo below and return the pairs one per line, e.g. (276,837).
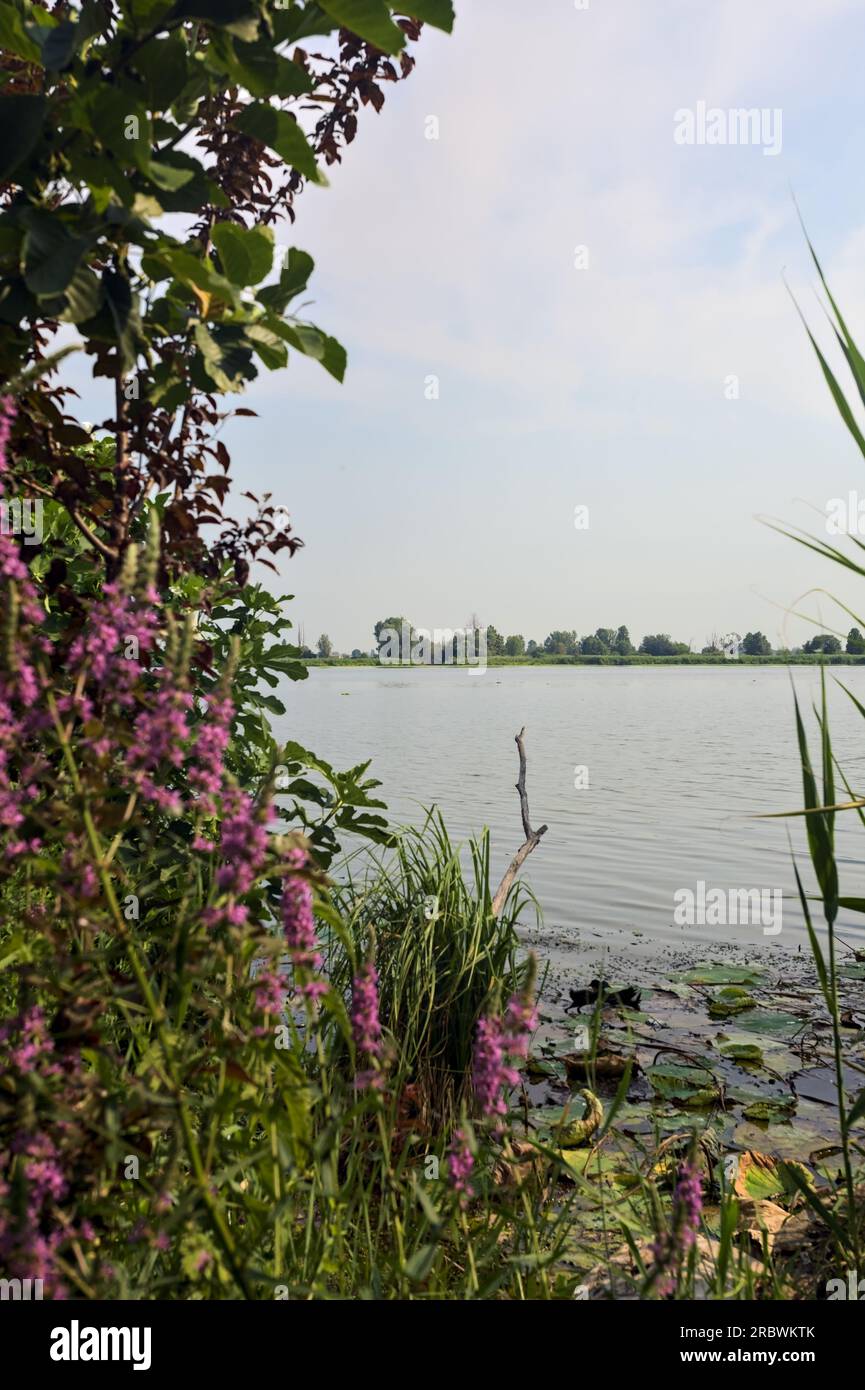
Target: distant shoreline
(688,659)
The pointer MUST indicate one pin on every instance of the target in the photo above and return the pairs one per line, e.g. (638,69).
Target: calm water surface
(679,760)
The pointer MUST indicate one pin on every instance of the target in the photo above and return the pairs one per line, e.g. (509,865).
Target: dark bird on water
(629,996)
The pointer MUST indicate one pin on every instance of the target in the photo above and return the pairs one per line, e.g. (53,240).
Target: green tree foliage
(855,642)
(495,642)
(822,642)
(662,644)
(146,151)
(561,643)
(325,646)
(755,644)
(515,645)
(387,627)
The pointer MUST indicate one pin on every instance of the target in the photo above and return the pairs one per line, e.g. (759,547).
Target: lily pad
(748,1053)
(608,1167)
(723,975)
(770,1111)
(730,1001)
(539,1069)
(691,1087)
(759,1176)
(676,987)
(777,1025)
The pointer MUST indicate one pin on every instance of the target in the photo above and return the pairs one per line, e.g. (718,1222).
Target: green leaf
(122,127)
(83,296)
(123,308)
(227,360)
(369,18)
(770,1110)
(292,281)
(190,270)
(270,349)
(334,359)
(693,1087)
(818,827)
(188,195)
(14,38)
(835,390)
(730,1001)
(21,121)
(777,1025)
(246,253)
(240,17)
(58,45)
(165,67)
(260,69)
(51,253)
(281,133)
(421,1262)
(742,1052)
(711,974)
(305,338)
(168,176)
(439,13)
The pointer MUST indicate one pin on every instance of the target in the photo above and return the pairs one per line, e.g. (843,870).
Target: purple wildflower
(243,845)
(207,773)
(521,1020)
(491,1074)
(118,630)
(365,1025)
(160,735)
(671,1248)
(460,1164)
(298,921)
(497,1040)
(34,1041)
(269,991)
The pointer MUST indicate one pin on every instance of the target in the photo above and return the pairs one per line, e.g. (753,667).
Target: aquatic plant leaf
(712,974)
(778,1025)
(749,1053)
(730,1001)
(759,1176)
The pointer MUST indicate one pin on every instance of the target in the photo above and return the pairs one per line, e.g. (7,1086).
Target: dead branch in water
(533,837)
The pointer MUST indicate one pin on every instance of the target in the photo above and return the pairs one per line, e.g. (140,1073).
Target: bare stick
(533,837)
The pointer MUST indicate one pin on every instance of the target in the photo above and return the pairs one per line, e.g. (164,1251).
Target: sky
(605,315)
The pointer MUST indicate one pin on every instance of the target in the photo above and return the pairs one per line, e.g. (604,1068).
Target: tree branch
(533,837)
(98,544)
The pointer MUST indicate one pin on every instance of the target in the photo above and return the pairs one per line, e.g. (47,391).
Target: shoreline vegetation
(609,659)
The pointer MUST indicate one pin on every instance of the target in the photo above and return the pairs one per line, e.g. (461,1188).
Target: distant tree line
(605,641)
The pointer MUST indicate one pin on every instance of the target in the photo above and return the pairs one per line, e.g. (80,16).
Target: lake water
(679,760)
